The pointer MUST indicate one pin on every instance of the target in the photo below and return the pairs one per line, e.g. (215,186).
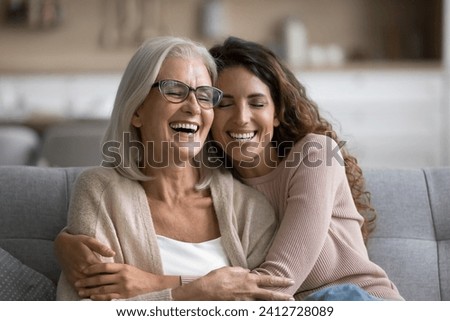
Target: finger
(268,295)
(98,247)
(105,297)
(99,290)
(95,281)
(101,268)
(273,281)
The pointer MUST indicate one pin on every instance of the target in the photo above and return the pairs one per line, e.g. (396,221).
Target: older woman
(158,206)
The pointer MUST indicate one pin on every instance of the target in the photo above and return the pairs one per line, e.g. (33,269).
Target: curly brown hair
(298,115)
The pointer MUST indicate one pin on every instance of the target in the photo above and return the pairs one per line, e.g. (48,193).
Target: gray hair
(136,82)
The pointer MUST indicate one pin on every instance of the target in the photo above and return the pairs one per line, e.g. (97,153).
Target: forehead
(191,69)
(240,78)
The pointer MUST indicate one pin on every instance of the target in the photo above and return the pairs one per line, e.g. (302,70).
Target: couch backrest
(33,209)
(412,238)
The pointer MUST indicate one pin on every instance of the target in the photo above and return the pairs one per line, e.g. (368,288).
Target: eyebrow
(256,95)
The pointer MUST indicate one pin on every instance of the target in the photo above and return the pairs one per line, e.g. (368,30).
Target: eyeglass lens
(176,92)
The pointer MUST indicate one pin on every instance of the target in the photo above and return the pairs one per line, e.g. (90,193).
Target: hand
(77,252)
(108,281)
(231,284)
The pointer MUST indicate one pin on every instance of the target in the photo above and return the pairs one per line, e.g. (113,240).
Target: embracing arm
(76,252)
(90,214)
(305,222)
(107,281)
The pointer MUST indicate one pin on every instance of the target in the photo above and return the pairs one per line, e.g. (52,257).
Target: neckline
(212,241)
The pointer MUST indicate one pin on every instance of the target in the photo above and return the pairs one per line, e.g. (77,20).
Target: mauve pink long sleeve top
(319,241)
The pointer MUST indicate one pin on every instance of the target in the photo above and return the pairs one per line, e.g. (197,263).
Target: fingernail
(81,293)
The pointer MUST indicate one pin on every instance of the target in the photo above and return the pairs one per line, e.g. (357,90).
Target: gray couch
(411,241)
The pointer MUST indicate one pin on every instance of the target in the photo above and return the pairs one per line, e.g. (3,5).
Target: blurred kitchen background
(379,70)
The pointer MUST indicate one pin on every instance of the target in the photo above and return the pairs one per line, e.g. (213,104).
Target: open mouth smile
(188,128)
(242,136)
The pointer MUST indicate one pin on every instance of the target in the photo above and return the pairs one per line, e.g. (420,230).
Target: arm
(76,252)
(117,281)
(307,216)
(107,281)
(79,258)
(90,213)
(233,283)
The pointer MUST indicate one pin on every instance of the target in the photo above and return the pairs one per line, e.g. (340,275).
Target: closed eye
(175,94)
(204,97)
(257,105)
(225,102)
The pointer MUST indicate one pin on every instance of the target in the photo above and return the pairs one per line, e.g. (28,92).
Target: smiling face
(244,121)
(176,131)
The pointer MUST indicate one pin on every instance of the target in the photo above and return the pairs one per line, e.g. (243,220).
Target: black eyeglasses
(176,92)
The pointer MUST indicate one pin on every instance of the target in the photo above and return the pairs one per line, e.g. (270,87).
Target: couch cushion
(404,241)
(18,282)
(34,209)
(438,182)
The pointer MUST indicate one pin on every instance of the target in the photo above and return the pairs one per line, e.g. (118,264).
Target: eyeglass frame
(161,82)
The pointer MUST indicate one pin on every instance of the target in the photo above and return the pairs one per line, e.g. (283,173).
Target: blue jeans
(341,292)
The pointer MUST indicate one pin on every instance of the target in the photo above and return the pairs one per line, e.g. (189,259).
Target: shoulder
(98,179)
(314,158)
(315,150)
(97,175)
(233,190)
(313,142)
(98,191)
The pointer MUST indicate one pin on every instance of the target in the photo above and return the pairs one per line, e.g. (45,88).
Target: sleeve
(88,215)
(85,203)
(81,219)
(259,228)
(303,229)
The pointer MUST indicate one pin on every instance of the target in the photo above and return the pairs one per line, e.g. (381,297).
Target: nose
(242,115)
(191,105)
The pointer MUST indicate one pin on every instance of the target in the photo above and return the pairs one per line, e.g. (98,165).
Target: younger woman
(278,143)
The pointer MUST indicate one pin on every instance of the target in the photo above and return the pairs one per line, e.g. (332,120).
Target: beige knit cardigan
(115,211)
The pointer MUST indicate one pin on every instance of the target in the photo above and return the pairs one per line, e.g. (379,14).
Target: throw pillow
(19,282)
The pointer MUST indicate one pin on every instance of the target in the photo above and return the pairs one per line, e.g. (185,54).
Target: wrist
(169,281)
(157,282)
(191,291)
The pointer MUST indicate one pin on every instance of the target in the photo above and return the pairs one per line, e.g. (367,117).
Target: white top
(181,258)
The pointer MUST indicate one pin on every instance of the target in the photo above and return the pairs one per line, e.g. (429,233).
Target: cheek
(217,126)
(270,119)
(208,119)
(216,122)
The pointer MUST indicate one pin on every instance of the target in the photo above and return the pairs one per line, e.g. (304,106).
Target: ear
(136,120)
(276,122)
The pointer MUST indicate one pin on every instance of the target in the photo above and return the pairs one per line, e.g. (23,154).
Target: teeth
(243,136)
(187,126)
